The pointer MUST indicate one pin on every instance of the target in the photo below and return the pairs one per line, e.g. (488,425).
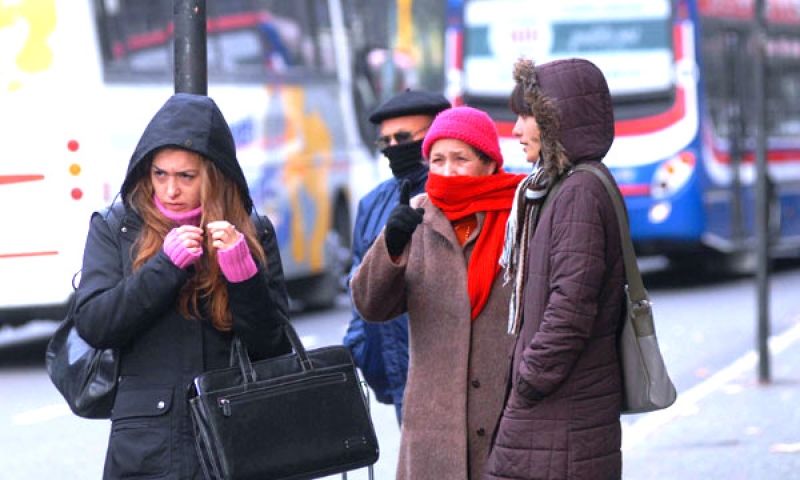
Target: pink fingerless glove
(179,254)
(236,262)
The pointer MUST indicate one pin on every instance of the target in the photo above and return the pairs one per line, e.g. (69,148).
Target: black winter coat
(161,351)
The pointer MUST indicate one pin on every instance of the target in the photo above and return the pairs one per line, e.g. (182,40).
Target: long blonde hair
(221,200)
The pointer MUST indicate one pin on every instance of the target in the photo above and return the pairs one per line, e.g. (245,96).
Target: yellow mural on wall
(25,28)
(307,171)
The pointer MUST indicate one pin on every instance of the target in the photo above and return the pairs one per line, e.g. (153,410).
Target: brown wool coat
(458,367)
(563,420)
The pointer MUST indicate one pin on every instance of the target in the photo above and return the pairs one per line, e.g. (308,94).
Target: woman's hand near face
(233,254)
(184,245)
(223,235)
(190,237)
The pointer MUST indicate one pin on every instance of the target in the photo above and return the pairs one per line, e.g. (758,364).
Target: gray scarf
(528,199)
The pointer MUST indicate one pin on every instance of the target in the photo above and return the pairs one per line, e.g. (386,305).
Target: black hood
(192,122)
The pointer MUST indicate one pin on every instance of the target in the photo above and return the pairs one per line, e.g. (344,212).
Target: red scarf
(458,197)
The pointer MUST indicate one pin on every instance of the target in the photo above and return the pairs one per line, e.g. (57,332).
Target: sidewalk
(728,427)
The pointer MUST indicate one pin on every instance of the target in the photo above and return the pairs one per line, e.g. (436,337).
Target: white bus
(52,170)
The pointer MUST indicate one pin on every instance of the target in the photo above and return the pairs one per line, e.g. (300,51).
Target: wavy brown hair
(206,290)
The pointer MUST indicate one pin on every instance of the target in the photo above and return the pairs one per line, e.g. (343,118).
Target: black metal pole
(762,193)
(191,61)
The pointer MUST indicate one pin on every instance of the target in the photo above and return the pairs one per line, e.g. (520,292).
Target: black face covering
(404,158)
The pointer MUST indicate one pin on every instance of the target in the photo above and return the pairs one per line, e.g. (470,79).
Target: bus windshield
(629,40)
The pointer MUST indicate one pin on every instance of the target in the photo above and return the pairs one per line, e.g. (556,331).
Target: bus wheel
(739,264)
(715,264)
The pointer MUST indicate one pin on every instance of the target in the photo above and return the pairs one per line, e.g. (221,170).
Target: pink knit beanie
(469,125)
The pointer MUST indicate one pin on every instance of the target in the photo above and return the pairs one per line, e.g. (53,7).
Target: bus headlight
(672,175)
(659,212)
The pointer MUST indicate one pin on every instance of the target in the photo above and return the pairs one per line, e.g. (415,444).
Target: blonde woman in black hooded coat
(188,267)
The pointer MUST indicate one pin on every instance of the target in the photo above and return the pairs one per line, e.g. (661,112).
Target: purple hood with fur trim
(581,96)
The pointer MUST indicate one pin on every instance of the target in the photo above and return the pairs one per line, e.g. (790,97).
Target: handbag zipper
(225,403)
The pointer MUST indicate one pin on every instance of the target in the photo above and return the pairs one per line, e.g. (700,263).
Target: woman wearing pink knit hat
(437,260)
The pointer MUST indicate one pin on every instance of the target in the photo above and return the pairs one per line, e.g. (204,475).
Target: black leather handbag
(85,376)
(298,416)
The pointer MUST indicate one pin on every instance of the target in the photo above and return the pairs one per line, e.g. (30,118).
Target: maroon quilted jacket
(562,417)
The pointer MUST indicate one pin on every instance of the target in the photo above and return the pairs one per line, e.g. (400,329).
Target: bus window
(630,41)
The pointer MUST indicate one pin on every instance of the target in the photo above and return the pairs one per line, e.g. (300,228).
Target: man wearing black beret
(381,350)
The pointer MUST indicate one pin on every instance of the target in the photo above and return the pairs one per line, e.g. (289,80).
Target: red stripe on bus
(237,21)
(9,179)
(642,126)
(678,33)
(635,190)
(219,24)
(775,156)
(777,12)
(626,128)
(27,254)
(639,126)
(504,128)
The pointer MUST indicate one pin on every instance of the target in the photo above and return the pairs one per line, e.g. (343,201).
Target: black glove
(402,222)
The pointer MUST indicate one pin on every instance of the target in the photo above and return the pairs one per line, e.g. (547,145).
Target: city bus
(295,80)
(683,89)
(50,180)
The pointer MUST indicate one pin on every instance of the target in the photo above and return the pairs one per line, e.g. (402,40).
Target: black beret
(410,103)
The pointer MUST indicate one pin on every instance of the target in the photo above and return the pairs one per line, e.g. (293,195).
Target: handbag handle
(239,354)
(632,275)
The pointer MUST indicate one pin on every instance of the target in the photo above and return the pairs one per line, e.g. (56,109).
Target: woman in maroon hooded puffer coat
(562,414)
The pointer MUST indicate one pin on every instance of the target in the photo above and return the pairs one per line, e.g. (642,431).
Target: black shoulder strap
(260,222)
(113,215)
